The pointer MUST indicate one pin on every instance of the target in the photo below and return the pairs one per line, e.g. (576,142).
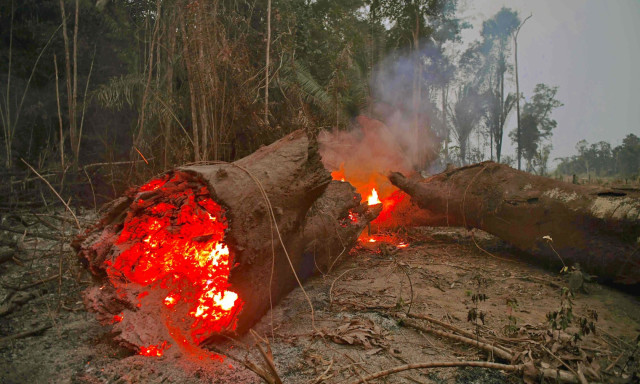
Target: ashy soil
(469,281)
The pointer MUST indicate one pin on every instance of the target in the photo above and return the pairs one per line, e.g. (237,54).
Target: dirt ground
(359,324)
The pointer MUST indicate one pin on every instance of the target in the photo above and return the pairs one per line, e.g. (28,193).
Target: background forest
(114,91)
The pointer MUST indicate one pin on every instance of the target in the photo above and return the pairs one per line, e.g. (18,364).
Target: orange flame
(373,198)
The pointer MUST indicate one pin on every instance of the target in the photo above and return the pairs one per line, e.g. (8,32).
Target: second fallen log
(593,226)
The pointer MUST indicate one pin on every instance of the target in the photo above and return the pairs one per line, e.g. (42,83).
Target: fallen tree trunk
(334,224)
(593,226)
(207,249)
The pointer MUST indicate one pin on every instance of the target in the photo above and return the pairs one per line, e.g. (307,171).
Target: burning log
(593,226)
(204,249)
(333,225)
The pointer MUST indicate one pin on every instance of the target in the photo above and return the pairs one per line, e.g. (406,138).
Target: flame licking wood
(373,198)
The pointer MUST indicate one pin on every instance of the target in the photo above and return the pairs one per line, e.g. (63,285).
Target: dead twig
(6,254)
(40,235)
(34,284)
(55,192)
(613,363)
(324,376)
(408,277)
(267,356)
(334,282)
(15,303)
(559,360)
(581,378)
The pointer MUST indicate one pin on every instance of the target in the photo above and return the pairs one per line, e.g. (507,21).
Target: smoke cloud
(397,135)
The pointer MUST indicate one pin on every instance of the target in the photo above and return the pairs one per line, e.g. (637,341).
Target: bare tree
(515,43)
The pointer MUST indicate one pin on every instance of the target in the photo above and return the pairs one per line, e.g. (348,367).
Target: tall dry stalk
(55,65)
(71,77)
(8,120)
(149,71)
(7,128)
(266,66)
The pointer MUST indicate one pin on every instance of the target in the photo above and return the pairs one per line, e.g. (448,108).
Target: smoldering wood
(597,227)
(291,174)
(334,224)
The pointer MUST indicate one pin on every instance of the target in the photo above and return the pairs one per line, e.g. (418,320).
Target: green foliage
(536,125)
(465,116)
(475,315)
(602,160)
(562,318)
(512,326)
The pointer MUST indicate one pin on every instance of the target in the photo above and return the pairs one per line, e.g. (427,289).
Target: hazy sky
(591,50)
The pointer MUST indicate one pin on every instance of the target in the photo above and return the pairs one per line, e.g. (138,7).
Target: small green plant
(475,315)
(561,318)
(512,327)
(632,357)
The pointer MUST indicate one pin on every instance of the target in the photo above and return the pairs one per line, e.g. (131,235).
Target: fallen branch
(40,235)
(15,303)
(34,284)
(30,332)
(496,351)
(523,369)
(442,364)
(455,329)
(55,192)
(6,254)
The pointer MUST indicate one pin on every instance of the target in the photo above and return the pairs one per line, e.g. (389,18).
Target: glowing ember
(178,247)
(152,185)
(171,300)
(402,245)
(154,350)
(372,240)
(353,217)
(373,198)
(117,318)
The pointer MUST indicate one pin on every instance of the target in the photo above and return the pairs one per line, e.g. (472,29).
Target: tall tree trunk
(76,148)
(171,51)
(444,123)
(500,132)
(195,132)
(515,43)
(70,106)
(266,66)
(55,66)
(416,87)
